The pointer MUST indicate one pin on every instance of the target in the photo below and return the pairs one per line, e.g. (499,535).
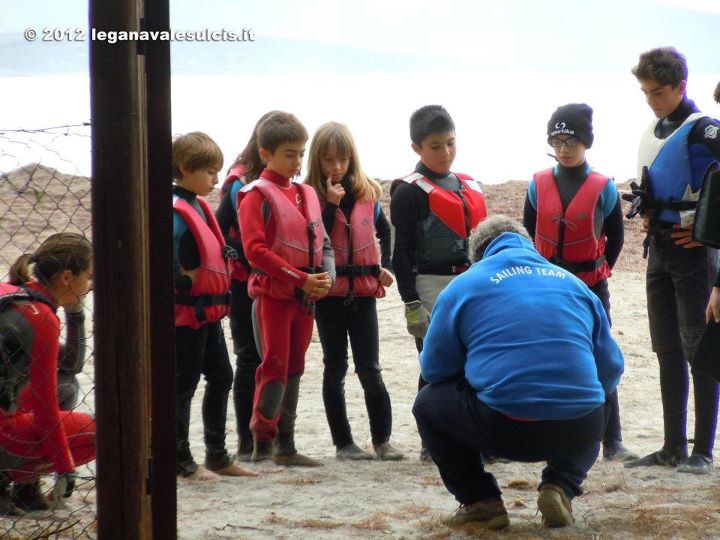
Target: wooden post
(121,276)
(162,323)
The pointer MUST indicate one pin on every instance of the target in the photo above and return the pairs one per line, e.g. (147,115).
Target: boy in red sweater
(292,267)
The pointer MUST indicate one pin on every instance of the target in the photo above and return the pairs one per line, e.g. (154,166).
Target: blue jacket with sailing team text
(531,339)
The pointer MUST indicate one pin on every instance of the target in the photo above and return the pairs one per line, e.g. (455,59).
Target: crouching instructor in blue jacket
(519,359)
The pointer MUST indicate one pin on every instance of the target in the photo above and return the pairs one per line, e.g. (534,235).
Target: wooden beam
(162,323)
(120,224)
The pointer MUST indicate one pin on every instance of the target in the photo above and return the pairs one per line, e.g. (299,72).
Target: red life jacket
(298,237)
(208,299)
(236,173)
(357,253)
(239,268)
(442,237)
(568,238)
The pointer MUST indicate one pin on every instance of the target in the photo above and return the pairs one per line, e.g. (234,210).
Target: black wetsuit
(678,286)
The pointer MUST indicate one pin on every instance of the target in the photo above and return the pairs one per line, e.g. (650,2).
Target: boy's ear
(184,170)
(416,148)
(682,86)
(265,155)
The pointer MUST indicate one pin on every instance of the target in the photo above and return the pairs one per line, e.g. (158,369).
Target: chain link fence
(43,190)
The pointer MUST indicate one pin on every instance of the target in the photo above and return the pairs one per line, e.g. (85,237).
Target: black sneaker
(28,497)
(662,457)
(697,464)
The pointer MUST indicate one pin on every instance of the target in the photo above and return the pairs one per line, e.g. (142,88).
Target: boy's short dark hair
(428,120)
(195,150)
(280,128)
(664,65)
(716,95)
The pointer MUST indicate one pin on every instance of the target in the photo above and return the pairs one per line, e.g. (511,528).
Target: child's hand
(683,237)
(386,278)
(335,192)
(317,285)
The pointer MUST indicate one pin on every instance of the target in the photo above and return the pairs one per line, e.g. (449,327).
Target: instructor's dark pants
(457,428)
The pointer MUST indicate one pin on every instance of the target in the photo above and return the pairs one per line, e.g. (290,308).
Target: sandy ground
(388,499)
(407,500)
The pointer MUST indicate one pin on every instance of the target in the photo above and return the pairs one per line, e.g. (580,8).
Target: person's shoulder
(38,313)
(406,186)
(708,127)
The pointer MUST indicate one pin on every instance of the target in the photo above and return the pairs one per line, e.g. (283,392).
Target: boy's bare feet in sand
(203,474)
(234,470)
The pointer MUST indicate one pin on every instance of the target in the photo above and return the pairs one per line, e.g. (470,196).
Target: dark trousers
(613,430)
(678,287)
(202,352)
(336,320)
(246,354)
(457,428)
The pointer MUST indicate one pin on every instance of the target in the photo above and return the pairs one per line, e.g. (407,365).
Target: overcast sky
(563,35)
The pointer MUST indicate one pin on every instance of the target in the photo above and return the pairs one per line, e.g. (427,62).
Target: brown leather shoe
(554,506)
(488,514)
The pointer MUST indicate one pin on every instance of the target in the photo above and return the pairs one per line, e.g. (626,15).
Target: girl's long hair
(249,158)
(338,136)
(59,252)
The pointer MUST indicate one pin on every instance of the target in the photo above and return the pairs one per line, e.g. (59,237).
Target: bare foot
(203,475)
(235,470)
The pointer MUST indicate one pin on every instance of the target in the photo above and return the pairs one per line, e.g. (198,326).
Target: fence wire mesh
(43,191)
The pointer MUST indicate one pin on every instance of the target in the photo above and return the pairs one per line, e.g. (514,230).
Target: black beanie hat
(573,119)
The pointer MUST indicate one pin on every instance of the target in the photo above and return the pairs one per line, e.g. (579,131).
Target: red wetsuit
(283,323)
(43,438)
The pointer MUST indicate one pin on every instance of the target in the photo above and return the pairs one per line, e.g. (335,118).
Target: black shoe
(662,457)
(617,451)
(425,455)
(353,452)
(28,497)
(262,450)
(697,464)
(245,450)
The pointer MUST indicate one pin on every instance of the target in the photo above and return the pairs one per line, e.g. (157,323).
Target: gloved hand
(417,318)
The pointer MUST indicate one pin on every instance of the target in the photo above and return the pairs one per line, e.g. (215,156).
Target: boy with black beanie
(589,235)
